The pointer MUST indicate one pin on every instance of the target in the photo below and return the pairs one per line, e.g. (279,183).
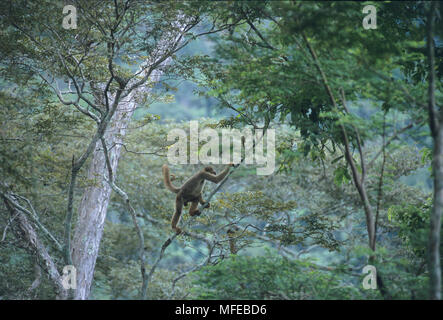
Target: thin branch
(218,187)
(359,183)
(32,215)
(193,269)
(266,44)
(133,213)
(359,143)
(30,237)
(380,182)
(388,142)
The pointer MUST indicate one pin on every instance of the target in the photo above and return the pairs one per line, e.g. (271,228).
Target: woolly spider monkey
(191,191)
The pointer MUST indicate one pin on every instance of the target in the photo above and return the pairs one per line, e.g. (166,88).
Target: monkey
(191,191)
(231,232)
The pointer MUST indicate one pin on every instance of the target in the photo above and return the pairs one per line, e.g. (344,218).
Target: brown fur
(191,191)
(231,234)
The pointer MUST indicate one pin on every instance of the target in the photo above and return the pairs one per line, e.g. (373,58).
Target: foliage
(249,278)
(299,233)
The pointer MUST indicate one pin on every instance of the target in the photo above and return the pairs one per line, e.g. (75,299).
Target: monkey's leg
(176,217)
(193,209)
(200,199)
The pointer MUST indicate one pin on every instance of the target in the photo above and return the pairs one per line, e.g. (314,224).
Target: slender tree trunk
(435,227)
(358,180)
(435,121)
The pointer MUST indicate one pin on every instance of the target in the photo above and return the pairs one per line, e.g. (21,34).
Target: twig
(131,210)
(33,215)
(388,142)
(380,182)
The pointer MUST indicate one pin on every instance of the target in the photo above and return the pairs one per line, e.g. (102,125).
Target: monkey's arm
(219,177)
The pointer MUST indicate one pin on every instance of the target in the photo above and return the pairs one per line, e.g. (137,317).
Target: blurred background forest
(84,118)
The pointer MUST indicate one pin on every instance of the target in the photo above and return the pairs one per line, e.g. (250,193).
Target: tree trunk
(94,203)
(29,236)
(434,233)
(435,121)
(95,200)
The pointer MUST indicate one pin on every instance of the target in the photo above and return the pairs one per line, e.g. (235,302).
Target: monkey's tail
(167,180)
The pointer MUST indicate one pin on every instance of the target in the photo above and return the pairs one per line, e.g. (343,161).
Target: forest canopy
(342,97)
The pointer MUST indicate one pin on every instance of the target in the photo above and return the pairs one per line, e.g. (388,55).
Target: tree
(292,70)
(435,118)
(349,105)
(103,69)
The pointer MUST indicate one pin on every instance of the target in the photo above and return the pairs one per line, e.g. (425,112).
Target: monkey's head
(210,170)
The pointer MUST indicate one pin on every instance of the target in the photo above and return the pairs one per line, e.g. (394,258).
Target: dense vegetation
(84,119)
